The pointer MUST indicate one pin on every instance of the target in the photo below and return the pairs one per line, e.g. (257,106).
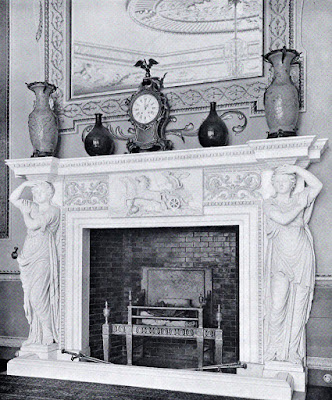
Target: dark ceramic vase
(213,131)
(281,98)
(99,142)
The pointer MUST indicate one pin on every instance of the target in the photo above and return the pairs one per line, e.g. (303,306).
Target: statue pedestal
(43,352)
(297,372)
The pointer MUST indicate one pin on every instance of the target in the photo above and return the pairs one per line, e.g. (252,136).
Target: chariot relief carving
(159,193)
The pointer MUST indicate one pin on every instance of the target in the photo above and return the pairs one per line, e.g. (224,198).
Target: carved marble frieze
(231,185)
(159,193)
(90,193)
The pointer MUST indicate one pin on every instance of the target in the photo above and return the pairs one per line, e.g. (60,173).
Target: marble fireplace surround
(200,187)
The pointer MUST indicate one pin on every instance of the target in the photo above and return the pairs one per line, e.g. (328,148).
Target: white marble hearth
(201,187)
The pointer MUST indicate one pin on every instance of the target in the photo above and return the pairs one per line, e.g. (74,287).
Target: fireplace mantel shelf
(266,153)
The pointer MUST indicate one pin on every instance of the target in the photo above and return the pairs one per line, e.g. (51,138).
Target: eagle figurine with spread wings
(146,65)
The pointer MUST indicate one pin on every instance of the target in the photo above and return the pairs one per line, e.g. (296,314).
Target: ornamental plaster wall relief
(159,193)
(106,93)
(178,16)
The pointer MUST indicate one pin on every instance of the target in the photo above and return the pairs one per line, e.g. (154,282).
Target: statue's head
(282,182)
(43,191)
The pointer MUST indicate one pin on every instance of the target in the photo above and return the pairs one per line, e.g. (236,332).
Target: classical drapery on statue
(38,261)
(290,264)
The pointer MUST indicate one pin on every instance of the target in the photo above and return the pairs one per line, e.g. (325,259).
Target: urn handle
(237,128)
(86,131)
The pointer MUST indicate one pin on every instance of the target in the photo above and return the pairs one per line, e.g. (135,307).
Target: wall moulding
(281,27)
(8,341)
(4,118)
(9,275)
(324,281)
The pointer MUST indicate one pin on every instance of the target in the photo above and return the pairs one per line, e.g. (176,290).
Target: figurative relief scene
(194,41)
(158,193)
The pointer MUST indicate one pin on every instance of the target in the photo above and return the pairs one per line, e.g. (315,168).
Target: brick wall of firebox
(116,260)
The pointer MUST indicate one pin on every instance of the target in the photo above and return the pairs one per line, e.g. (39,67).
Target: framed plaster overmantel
(281,27)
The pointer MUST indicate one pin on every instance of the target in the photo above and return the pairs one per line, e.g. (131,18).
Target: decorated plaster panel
(87,194)
(159,193)
(178,16)
(228,90)
(187,38)
(221,185)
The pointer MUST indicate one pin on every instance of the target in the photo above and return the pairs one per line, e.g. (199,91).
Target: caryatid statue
(290,264)
(38,261)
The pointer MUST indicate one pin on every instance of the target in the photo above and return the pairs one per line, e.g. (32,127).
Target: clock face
(145,108)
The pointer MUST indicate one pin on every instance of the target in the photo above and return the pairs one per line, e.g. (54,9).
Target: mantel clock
(148,111)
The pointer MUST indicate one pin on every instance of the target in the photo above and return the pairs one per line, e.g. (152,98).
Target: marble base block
(43,352)
(298,373)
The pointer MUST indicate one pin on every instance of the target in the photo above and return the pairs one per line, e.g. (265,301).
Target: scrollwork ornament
(86,193)
(219,186)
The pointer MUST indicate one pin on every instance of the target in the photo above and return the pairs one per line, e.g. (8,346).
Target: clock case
(150,136)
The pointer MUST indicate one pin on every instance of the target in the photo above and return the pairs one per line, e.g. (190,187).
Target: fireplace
(124,261)
(215,188)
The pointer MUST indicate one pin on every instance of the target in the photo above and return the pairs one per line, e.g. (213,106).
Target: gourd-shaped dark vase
(213,131)
(43,123)
(281,98)
(98,142)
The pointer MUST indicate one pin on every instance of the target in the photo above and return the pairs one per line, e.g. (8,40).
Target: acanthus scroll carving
(86,193)
(231,186)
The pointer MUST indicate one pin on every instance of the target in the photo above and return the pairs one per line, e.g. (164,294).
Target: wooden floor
(22,388)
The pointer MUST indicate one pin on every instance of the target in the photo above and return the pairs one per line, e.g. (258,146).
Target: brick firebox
(116,260)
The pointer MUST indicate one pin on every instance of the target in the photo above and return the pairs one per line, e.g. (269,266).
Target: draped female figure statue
(290,264)
(38,261)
